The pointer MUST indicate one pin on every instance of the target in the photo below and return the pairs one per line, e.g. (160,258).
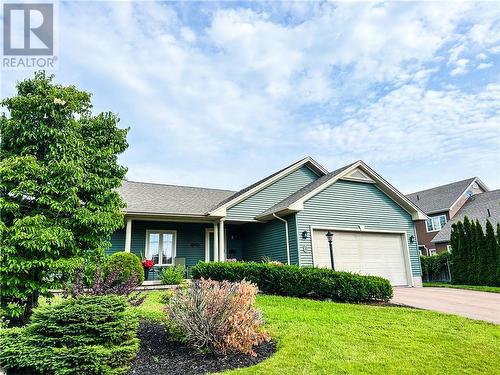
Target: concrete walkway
(468,303)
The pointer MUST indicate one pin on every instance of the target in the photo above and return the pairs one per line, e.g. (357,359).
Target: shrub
(85,335)
(173,275)
(297,281)
(127,264)
(218,315)
(101,285)
(435,267)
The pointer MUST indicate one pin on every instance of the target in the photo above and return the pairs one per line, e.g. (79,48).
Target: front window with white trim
(160,246)
(435,223)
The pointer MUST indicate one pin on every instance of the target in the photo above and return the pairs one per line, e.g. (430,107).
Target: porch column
(216,242)
(222,242)
(128,235)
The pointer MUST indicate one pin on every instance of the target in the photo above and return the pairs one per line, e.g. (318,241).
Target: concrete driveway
(468,303)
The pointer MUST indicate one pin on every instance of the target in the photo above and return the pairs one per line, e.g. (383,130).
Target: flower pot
(146,273)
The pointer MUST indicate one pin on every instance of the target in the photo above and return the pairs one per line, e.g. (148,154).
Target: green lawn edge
(479,288)
(315,337)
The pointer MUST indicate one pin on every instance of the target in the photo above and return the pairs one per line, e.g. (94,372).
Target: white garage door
(379,254)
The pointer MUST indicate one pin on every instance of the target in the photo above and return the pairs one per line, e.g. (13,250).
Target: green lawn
(480,288)
(330,338)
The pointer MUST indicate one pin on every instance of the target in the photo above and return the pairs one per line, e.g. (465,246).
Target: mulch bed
(159,355)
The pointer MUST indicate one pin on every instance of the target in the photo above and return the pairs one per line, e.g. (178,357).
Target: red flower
(148,263)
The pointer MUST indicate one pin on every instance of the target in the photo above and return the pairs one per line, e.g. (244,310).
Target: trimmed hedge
(294,281)
(435,267)
(87,335)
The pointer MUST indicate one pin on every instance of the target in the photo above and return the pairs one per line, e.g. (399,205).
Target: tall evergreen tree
(457,265)
(490,260)
(479,249)
(467,253)
(59,174)
(497,281)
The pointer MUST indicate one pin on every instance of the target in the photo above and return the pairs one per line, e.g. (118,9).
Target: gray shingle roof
(149,198)
(440,198)
(475,208)
(304,191)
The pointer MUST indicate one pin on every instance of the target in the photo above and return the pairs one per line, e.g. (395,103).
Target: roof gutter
(286,237)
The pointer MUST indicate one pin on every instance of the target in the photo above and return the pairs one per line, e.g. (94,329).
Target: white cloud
(239,92)
(482,66)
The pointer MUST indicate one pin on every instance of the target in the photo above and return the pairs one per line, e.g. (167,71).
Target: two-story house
(441,204)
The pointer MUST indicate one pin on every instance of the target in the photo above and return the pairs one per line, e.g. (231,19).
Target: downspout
(286,237)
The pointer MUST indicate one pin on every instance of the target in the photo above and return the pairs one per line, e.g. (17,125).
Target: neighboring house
(441,204)
(481,207)
(282,217)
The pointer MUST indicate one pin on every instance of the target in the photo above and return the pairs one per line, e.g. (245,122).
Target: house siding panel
(264,240)
(269,196)
(292,238)
(117,242)
(347,204)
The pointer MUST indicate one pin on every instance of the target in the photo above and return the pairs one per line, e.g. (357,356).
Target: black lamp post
(329,236)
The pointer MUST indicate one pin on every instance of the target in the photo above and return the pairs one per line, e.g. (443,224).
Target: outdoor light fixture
(412,239)
(304,235)
(329,237)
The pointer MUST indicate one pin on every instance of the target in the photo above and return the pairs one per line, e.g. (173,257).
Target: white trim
(128,236)
(216,242)
(207,243)
(160,249)
(286,238)
(312,245)
(222,210)
(364,177)
(441,226)
(404,239)
(170,218)
(391,192)
(222,242)
(480,184)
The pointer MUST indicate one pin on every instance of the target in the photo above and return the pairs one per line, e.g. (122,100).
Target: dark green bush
(435,267)
(86,335)
(128,264)
(173,275)
(297,281)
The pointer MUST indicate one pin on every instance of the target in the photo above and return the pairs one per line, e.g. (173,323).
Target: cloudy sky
(222,94)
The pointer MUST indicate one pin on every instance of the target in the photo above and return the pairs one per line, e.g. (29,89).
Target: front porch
(184,243)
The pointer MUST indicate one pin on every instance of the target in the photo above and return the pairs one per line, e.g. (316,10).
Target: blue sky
(222,94)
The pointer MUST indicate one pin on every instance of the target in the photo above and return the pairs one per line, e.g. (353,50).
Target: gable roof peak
(442,198)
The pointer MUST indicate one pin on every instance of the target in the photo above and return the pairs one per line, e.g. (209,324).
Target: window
(448,248)
(160,246)
(435,223)
(432,252)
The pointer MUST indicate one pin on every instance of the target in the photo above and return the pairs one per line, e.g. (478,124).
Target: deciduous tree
(59,174)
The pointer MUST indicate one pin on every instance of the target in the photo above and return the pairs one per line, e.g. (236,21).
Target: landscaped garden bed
(161,354)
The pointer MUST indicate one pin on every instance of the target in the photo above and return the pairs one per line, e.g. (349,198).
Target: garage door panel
(379,254)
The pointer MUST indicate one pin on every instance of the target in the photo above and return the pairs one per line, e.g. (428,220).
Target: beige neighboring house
(441,204)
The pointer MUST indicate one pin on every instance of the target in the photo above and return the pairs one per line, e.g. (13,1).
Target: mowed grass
(480,288)
(329,338)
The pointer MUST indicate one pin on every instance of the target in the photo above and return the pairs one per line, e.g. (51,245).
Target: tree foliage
(59,174)
(475,254)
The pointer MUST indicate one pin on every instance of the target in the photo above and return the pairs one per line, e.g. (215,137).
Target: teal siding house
(284,217)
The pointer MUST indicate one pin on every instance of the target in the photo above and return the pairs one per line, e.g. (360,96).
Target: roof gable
(221,208)
(484,206)
(295,202)
(442,198)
